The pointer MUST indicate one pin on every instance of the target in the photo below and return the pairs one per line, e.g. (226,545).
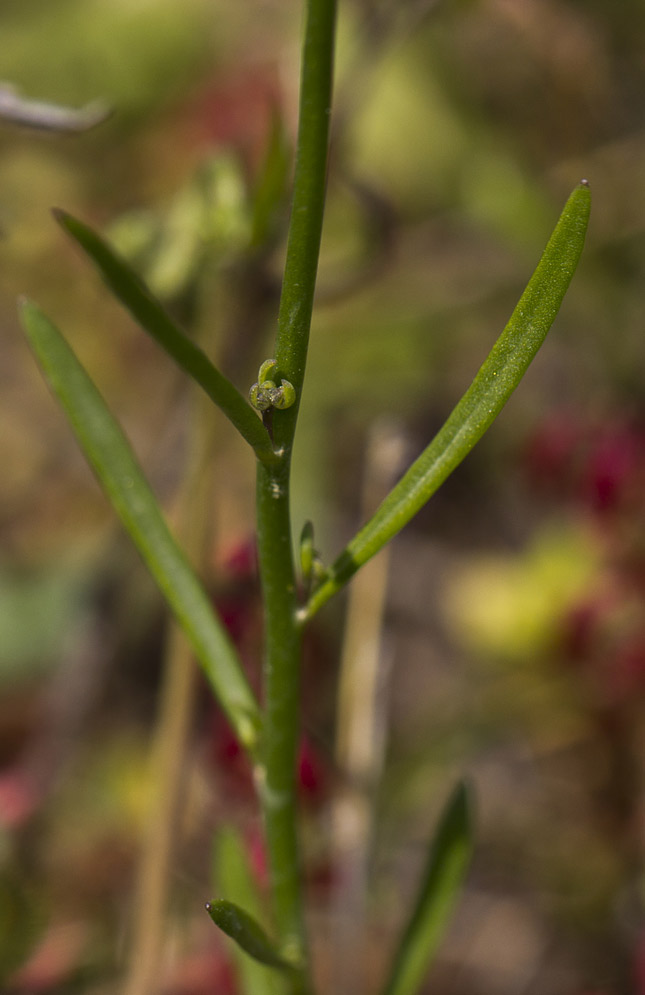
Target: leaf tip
(60,216)
(26,307)
(468,799)
(583,187)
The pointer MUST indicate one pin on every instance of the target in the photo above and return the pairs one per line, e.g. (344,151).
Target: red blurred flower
(610,467)
(580,629)
(229,760)
(551,454)
(639,966)
(257,856)
(236,110)
(312,777)
(240,562)
(626,671)
(203,973)
(19,797)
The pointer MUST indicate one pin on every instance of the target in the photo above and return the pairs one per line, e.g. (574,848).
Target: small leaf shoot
(246,932)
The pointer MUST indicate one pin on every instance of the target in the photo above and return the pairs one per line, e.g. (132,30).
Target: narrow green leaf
(128,287)
(246,932)
(307,551)
(23,919)
(448,862)
(496,380)
(111,457)
(270,190)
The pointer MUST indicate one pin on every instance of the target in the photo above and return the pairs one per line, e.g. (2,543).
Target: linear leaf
(24,919)
(496,380)
(246,932)
(114,463)
(448,861)
(271,185)
(130,289)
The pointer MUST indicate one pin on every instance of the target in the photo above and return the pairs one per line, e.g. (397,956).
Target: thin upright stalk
(276,772)
(277,782)
(305,227)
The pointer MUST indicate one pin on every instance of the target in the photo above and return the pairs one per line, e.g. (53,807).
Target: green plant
(269,732)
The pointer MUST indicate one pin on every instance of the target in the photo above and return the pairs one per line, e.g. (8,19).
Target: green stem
(276,774)
(276,777)
(305,227)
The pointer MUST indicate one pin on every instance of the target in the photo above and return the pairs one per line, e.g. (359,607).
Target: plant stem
(305,227)
(276,773)
(276,779)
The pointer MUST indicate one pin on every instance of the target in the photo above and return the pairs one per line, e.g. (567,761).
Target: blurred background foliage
(514,628)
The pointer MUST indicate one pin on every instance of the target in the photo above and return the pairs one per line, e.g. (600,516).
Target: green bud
(265,394)
(307,551)
(267,371)
(261,398)
(284,396)
(247,933)
(311,564)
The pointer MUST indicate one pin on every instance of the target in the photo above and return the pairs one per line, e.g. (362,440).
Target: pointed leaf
(122,479)
(496,380)
(128,287)
(307,551)
(246,932)
(23,917)
(270,190)
(448,861)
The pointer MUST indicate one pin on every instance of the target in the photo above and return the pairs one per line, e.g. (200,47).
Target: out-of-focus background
(511,640)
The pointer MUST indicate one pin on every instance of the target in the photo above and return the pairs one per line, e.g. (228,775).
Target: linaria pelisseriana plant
(295,584)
